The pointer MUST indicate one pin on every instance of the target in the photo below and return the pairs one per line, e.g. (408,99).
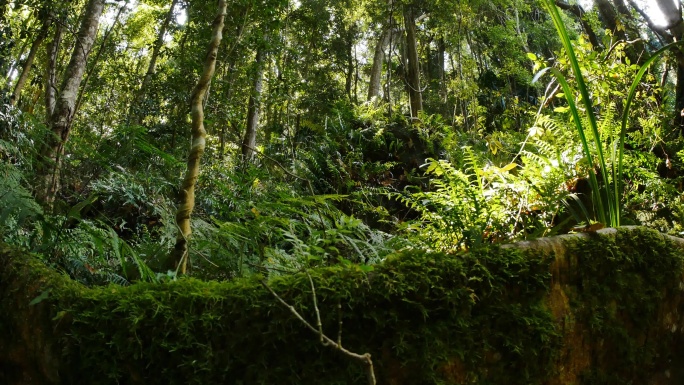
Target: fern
(20,214)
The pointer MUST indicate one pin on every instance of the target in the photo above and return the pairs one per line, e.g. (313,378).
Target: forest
(143,141)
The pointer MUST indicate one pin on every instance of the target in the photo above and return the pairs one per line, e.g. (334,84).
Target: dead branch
(364,359)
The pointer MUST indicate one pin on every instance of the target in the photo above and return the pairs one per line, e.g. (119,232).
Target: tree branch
(659,31)
(364,359)
(579,12)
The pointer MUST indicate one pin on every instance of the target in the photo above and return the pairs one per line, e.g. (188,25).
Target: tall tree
(672,31)
(413,80)
(63,115)
(28,63)
(249,140)
(152,65)
(378,60)
(619,21)
(51,70)
(179,255)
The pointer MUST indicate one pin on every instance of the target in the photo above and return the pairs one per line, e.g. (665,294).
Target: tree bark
(349,81)
(612,20)
(378,60)
(28,64)
(249,141)
(179,256)
(673,31)
(672,13)
(413,81)
(51,72)
(675,24)
(63,115)
(579,13)
(96,59)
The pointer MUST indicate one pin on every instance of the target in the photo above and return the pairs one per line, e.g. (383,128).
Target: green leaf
(43,296)
(75,212)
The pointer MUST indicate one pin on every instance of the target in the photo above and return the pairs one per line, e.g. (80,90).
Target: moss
(426,318)
(415,314)
(623,283)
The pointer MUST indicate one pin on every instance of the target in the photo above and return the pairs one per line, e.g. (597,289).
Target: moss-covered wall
(590,309)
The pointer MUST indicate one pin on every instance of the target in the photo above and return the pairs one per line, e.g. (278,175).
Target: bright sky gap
(649,6)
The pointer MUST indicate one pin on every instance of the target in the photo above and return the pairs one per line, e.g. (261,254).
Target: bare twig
(364,359)
(318,313)
(339,318)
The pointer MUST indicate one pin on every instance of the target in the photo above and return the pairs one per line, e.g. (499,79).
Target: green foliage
(608,196)
(460,212)
(18,208)
(272,227)
(19,212)
(417,313)
(471,201)
(425,317)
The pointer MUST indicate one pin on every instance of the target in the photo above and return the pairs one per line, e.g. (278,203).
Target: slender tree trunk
(51,73)
(63,115)
(249,141)
(28,64)
(675,24)
(349,81)
(152,66)
(679,99)
(415,92)
(378,60)
(179,256)
(96,59)
(12,66)
(356,76)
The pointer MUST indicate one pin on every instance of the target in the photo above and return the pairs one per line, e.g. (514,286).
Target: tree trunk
(179,256)
(579,13)
(679,99)
(611,19)
(51,73)
(349,81)
(675,24)
(378,60)
(249,141)
(415,92)
(28,64)
(63,115)
(673,13)
(152,66)
(96,59)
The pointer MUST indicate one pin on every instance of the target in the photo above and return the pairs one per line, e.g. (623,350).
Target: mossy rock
(587,309)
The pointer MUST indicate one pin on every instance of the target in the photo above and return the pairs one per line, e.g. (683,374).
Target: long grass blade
(611,217)
(593,181)
(625,116)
